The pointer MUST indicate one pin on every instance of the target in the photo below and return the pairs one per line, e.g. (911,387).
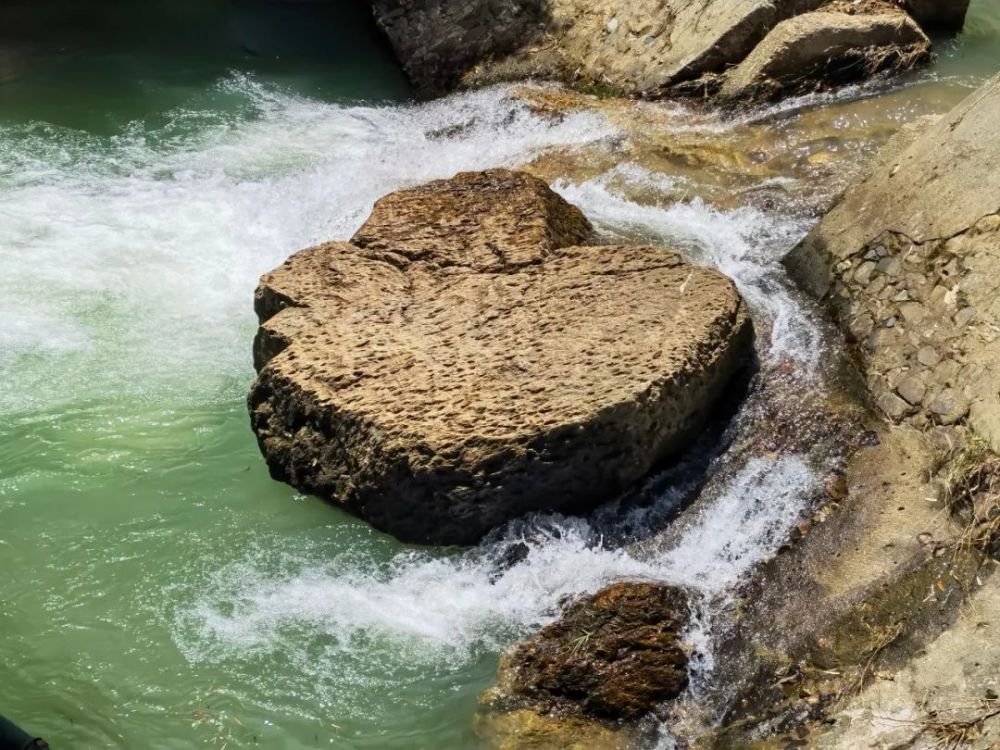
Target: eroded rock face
(465,360)
(644,47)
(820,48)
(614,655)
(910,263)
(436,40)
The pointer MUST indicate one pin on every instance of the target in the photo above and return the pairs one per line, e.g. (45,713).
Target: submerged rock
(909,262)
(466,360)
(613,656)
(825,48)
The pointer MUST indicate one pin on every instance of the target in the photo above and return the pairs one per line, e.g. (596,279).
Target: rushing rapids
(173,590)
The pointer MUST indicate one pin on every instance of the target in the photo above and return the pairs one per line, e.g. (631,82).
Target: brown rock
(912,389)
(932,200)
(465,361)
(614,655)
(826,48)
(949,406)
(894,407)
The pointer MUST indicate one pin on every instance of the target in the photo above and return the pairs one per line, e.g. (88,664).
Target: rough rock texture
(939,15)
(910,263)
(949,690)
(826,48)
(643,47)
(649,48)
(524,729)
(465,361)
(436,40)
(614,655)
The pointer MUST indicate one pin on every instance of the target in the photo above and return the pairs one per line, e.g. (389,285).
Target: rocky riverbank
(656,48)
(875,592)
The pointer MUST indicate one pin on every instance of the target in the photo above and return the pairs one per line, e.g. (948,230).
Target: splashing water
(130,270)
(463,605)
(123,244)
(745,243)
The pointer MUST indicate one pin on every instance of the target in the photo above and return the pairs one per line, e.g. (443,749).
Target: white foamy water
(745,243)
(130,267)
(451,609)
(130,261)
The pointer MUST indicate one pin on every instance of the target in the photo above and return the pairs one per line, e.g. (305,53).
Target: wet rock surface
(909,263)
(938,15)
(824,48)
(466,361)
(610,659)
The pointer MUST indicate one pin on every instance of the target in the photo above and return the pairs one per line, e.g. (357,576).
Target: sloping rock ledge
(466,360)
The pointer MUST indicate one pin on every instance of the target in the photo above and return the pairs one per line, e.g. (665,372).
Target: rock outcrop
(646,48)
(909,262)
(612,657)
(822,48)
(466,360)
(437,40)
(939,15)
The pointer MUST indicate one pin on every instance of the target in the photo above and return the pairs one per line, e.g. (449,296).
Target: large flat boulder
(826,48)
(467,359)
(909,261)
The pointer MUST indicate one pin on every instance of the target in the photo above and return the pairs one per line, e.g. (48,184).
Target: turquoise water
(160,590)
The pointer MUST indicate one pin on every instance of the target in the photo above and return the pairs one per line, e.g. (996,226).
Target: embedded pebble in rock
(949,406)
(912,389)
(465,360)
(965,316)
(895,407)
(928,356)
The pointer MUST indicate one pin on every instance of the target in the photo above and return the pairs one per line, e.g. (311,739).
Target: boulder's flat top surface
(465,360)
(800,48)
(450,357)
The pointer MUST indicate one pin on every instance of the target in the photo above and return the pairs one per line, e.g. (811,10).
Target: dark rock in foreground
(614,655)
(584,682)
(466,361)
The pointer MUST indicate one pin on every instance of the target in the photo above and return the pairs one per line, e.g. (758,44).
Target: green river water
(158,590)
